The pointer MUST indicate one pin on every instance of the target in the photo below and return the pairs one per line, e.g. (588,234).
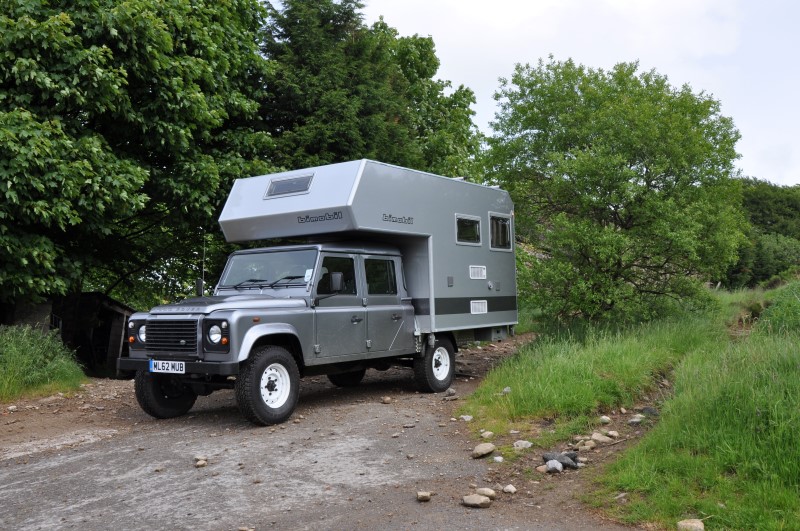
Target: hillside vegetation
(724,447)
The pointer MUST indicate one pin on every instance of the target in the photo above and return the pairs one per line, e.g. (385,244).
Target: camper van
(394,267)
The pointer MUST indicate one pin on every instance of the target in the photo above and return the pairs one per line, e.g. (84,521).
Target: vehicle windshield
(270,269)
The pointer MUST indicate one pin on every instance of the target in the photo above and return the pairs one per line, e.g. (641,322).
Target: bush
(783,316)
(33,362)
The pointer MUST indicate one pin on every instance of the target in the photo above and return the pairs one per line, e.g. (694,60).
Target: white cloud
(742,52)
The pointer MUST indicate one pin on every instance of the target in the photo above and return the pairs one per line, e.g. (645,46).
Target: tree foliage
(122,125)
(773,243)
(341,90)
(623,181)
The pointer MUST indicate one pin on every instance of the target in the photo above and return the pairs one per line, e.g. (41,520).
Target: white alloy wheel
(275,385)
(441,363)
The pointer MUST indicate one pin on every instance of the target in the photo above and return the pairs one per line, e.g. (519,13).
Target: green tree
(122,125)
(773,242)
(624,182)
(341,90)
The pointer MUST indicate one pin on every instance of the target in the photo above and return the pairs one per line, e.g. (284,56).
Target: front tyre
(268,386)
(162,396)
(434,371)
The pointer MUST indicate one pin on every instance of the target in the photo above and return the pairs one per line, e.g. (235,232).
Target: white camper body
(456,237)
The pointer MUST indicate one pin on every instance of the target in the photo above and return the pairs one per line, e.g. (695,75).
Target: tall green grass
(726,447)
(35,363)
(568,378)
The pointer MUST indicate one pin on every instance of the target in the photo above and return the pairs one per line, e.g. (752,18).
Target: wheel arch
(287,339)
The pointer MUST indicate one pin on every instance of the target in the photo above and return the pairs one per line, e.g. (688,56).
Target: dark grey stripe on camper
(455,305)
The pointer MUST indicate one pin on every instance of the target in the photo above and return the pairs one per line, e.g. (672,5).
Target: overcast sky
(746,53)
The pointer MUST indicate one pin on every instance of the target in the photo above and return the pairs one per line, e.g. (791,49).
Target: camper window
(468,230)
(500,227)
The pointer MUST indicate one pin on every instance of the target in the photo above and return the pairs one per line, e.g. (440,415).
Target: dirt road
(346,460)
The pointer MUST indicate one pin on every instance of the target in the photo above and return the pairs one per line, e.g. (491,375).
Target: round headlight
(142,333)
(215,334)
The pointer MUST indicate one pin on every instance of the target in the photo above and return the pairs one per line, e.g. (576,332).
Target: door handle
(396,317)
(355,319)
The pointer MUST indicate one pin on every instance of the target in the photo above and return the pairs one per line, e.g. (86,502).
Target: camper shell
(376,265)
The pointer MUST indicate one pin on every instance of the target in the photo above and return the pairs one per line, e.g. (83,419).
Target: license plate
(174,367)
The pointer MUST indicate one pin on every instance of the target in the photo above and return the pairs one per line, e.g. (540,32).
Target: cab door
(389,322)
(340,318)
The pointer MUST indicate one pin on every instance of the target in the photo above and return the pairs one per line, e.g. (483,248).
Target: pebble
(423,496)
(386,400)
(521,445)
(487,435)
(12,408)
(476,500)
(510,489)
(201,463)
(486,491)
(599,437)
(542,469)
(692,524)
(498,459)
(623,410)
(506,390)
(636,420)
(450,392)
(554,466)
(613,434)
(605,419)
(466,418)
(482,450)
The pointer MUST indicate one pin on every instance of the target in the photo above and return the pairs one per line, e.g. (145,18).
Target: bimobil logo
(327,216)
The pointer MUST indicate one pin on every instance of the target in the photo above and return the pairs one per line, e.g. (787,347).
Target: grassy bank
(32,363)
(725,447)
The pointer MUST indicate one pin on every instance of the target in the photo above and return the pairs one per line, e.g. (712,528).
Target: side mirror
(199,287)
(337,281)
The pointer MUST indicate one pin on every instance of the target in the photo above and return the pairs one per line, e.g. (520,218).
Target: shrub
(33,362)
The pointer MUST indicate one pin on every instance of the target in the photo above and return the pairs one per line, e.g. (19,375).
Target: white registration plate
(174,367)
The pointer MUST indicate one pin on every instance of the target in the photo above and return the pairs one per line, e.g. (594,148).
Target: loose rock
(486,491)
(487,435)
(692,524)
(423,496)
(510,489)
(636,420)
(450,391)
(483,449)
(201,463)
(613,434)
(506,390)
(554,466)
(521,445)
(599,437)
(605,419)
(466,418)
(498,459)
(386,400)
(476,500)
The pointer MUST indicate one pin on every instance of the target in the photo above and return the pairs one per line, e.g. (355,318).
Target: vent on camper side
(478,307)
(477,272)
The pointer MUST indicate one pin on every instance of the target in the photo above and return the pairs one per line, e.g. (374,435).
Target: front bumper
(192,367)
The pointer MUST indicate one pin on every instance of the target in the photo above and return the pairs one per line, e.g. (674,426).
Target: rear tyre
(347,379)
(162,396)
(434,371)
(268,386)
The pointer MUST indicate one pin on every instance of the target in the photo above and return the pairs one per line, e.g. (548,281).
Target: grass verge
(725,448)
(32,363)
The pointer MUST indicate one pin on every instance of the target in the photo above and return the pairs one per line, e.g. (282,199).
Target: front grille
(172,336)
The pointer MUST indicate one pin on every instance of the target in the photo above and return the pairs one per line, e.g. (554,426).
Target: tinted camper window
(500,227)
(468,230)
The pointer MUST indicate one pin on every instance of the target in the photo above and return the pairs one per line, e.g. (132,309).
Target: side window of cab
(341,264)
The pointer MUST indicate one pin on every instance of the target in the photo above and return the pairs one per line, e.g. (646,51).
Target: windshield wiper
(257,283)
(288,277)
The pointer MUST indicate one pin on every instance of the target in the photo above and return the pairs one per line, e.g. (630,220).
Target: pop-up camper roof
(361,195)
